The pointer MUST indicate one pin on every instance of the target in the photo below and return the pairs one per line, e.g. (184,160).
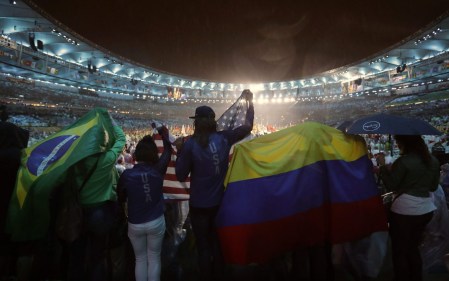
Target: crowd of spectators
(44,108)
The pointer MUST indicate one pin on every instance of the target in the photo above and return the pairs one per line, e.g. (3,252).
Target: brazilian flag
(44,166)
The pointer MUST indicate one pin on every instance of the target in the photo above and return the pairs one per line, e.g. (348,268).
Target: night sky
(245,40)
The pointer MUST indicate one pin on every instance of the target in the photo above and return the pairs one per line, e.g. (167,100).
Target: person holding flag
(80,158)
(205,156)
(95,178)
(176,197)
(300,188)
(141,189)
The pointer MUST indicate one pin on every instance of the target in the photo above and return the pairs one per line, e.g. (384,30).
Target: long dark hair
(146,151)
(203,128)
(414,144)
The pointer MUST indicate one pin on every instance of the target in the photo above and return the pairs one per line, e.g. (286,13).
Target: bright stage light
(256,88)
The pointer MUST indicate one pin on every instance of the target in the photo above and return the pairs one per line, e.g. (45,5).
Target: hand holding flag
(235,115)
(248,95)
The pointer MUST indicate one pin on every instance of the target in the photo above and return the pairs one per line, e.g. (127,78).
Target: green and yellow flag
(44,166)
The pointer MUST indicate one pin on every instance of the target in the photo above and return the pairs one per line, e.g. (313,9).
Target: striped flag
(172,188)
(232,118)
(297,187)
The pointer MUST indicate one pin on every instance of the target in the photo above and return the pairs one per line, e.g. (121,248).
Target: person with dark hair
(411,177)
(205,156)
(12,140)
(95,180)
(141,189)
(3,113)
(15,135)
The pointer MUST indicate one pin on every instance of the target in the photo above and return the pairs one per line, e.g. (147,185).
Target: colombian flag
(44,166)
(297,187)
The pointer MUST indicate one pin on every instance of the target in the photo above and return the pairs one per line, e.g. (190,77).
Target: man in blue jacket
(206,157)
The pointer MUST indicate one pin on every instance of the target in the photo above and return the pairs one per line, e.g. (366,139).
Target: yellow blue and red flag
(44,166)
(294,188)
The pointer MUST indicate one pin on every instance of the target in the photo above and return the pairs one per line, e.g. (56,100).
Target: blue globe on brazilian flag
(44,166)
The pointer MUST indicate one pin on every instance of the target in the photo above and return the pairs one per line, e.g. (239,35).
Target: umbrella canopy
(383,123)
(343,126)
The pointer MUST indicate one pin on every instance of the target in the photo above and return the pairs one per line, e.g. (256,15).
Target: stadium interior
(53,74)
(50,76)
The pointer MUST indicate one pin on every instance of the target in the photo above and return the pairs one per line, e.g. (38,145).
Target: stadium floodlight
(256,88)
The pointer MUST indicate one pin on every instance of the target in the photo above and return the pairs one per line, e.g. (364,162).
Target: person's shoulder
(225,133)
(411,158)
(435,161)
(406,158)
(9,125)
(127,172)
(187,142)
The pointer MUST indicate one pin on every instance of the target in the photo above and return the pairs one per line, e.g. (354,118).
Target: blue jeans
(146,239)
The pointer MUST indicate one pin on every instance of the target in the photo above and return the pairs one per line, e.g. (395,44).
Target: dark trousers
(88,255)
(210,259)
(313,263)
(406,234)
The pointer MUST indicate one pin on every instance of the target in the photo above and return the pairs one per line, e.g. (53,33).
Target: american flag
(233,117)
(172,188)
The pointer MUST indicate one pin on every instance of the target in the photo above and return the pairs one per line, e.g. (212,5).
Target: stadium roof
(64,51)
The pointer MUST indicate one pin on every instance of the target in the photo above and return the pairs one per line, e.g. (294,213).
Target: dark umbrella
(343,126)
(391,124)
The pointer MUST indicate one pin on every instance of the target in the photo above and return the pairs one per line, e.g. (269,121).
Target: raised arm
(162,164)
(241,132)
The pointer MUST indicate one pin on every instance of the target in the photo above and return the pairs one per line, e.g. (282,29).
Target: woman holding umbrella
(411,177)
